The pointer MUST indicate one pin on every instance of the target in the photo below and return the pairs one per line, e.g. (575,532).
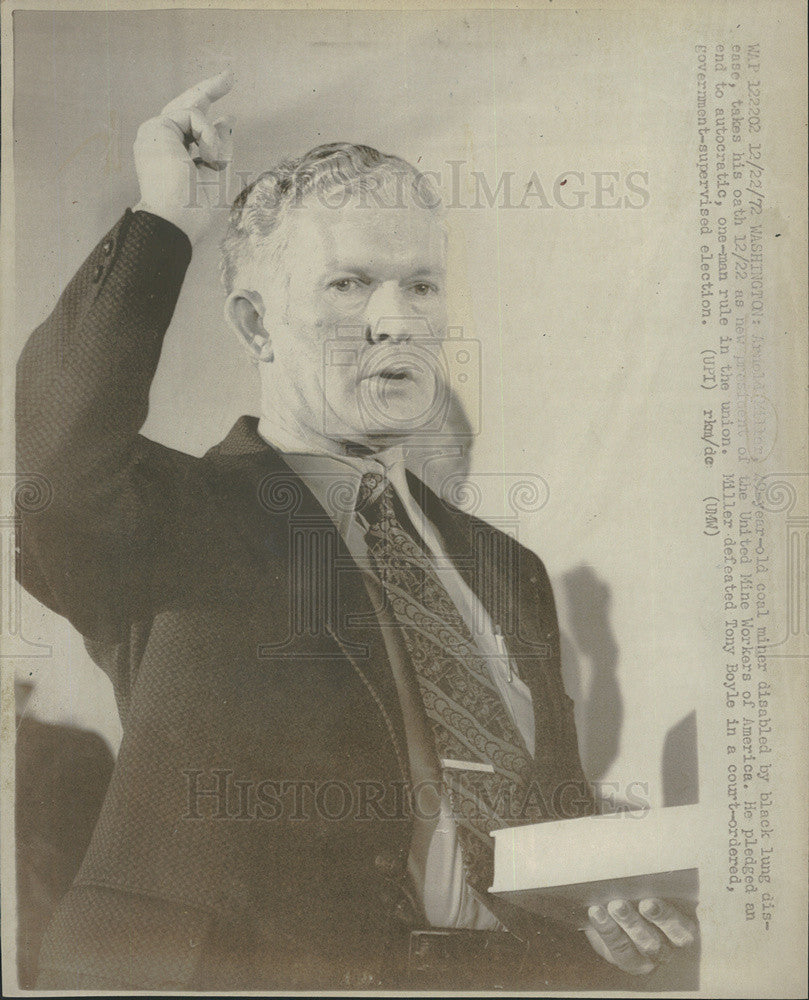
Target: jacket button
(107,247)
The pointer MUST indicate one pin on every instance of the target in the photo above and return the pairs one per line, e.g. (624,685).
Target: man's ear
(244,312)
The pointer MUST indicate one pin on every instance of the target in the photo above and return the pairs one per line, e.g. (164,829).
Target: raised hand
(180,149)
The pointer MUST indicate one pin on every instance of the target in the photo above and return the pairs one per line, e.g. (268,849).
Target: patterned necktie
(467,716)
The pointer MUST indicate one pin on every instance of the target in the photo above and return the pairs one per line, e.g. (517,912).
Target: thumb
(226,124)
(223,127)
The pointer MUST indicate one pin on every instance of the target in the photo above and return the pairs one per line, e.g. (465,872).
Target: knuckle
(654,909)
(679,932)
(684,939)
(622,911)
(612,934)
(649,946)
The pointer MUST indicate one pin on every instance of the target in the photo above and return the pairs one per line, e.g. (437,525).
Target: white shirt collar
(331,472)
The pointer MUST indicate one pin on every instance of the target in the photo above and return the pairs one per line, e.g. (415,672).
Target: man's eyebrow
(342,267)
(426,272)
(346,267)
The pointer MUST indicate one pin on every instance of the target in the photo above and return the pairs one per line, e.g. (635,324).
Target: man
(332,685)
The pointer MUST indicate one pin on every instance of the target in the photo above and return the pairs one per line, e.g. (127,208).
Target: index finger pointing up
(202,94)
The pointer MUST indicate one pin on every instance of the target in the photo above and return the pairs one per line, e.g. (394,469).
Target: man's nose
(387,318)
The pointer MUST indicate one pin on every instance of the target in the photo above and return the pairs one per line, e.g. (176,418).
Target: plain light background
(586,317)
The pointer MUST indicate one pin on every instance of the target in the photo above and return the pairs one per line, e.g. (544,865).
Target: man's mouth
(392,373)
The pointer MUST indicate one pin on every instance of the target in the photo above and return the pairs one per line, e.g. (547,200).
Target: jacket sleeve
(93,495)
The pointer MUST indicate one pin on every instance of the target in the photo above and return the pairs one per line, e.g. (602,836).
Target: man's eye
(344,284)
(423,288)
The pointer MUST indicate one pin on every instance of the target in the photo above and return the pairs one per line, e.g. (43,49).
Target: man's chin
(377,439)
(375,427)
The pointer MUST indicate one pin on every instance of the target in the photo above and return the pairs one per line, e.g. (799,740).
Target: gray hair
(257,214)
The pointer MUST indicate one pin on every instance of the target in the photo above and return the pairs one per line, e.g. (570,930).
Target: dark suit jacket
(235,668)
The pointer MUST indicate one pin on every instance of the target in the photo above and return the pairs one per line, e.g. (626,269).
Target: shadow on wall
(599,709)
(680,767)
(62,775)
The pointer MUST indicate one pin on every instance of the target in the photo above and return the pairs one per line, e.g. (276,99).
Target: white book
(560,868)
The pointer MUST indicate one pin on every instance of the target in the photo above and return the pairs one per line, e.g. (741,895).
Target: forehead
(398,237)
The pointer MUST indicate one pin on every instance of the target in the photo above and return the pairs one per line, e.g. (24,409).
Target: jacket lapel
(328,599)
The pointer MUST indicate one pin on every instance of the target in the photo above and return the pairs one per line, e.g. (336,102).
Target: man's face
(356,314)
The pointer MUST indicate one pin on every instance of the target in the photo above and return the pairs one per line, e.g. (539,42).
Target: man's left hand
(638,938)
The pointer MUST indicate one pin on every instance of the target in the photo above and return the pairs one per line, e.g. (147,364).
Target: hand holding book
(637,938)
(612,876)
